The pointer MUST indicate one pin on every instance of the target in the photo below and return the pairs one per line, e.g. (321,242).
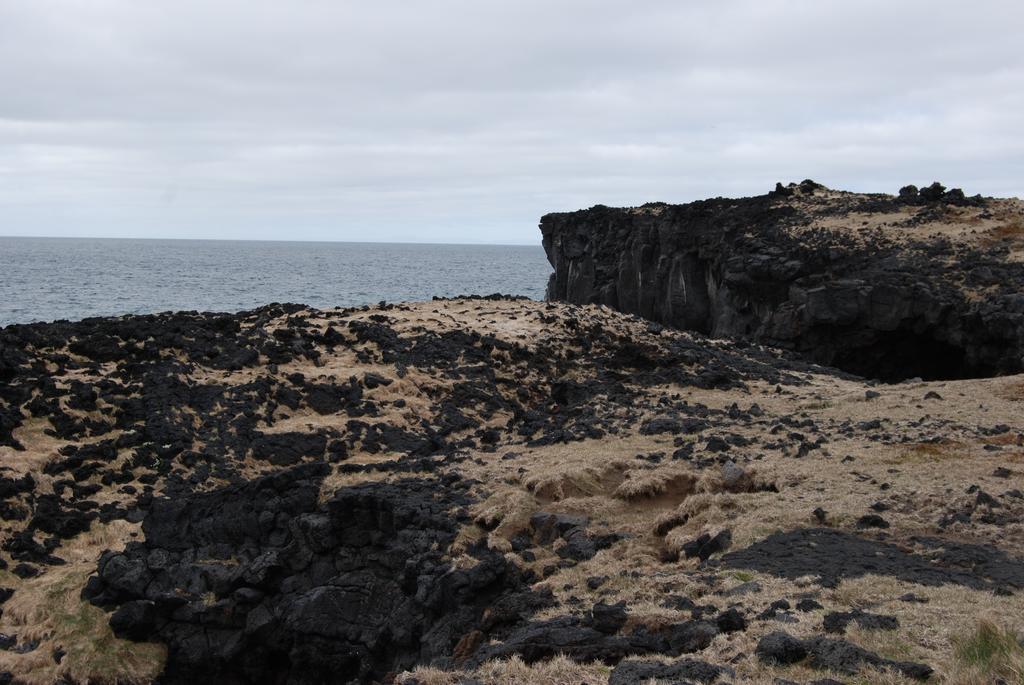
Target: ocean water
(44,279)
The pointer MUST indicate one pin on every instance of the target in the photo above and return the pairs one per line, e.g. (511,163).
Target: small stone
(705,545)
(716,444)
(837,621)
(872,521)
(24,570)
(373,380)
(608,618)
(983,498)
(780,648)
(732,475)
(912,598)
(731,621)
(808,604)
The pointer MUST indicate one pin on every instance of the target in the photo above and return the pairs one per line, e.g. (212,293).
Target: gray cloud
(457,121)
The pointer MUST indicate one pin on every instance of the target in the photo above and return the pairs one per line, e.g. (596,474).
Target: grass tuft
(558,670)
(49,608)
(990,653)
(646,484)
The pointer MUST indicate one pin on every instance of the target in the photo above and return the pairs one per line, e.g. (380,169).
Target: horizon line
(273,240)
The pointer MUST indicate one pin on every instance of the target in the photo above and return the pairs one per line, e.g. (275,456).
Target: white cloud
(456,120)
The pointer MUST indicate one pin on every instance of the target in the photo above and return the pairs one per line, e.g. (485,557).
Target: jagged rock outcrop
(262,583)
(929,283)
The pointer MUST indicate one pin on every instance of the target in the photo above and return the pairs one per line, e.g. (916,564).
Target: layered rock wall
(888,287)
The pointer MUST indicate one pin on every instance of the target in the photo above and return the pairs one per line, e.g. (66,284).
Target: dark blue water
(43,279)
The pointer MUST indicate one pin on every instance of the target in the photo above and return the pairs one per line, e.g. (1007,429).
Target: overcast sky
(465,121)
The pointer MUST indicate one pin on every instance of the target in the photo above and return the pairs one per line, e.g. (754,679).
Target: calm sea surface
(43,279)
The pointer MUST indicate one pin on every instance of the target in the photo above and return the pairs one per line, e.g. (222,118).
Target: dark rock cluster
(831,654)
(263,583)
(598,637)
(682,671)
(937,193)
(874,304)
(304,526)
(181,434)
(268,579)
(832,555)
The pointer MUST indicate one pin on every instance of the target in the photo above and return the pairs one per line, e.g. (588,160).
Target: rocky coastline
(653,480)
(925,283)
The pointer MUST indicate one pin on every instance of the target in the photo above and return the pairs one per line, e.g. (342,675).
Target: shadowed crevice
(834,555)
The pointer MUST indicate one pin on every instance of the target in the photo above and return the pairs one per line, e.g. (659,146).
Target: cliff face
(927,284)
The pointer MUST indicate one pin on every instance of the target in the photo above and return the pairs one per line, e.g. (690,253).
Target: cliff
(926,284)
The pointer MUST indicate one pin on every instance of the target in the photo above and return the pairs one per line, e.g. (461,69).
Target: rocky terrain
(926,283)
(494,490)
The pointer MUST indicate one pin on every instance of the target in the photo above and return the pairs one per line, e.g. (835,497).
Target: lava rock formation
(924,284)
(261,583)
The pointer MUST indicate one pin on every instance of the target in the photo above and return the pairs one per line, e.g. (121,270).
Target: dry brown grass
(1010,438)
(48,608)
(989,653)
(1011,231)
(556,671)
(506,512)
(711,512)
(928,633)
(1013,391)
(651,483)
(934,632)
(929,452)
(669,520)
(573,478)
(40,447)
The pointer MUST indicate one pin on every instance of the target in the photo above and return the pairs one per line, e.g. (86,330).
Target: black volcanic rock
(608,618)
(834,555)
(705,545)
(791,270)
(135,620)
(285,449)
(837,621)
(262,583)
(569,636)
(235,441)
(781,648)
(682,671)
(824,653)
(845,657)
